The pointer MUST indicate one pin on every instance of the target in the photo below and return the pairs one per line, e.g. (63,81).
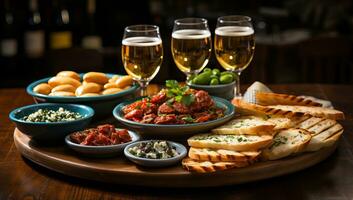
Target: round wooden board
(120,170)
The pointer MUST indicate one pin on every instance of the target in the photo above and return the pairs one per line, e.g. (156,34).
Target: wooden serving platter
(119,170)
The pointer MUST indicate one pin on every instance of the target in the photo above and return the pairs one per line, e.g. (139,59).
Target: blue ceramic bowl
(51,131)
(156,162)
(101,151)
(102,105)
(225,91)
(178,130)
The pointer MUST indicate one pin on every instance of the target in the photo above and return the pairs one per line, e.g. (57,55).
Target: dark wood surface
(330,179)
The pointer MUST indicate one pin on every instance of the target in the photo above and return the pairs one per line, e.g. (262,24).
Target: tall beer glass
(142,53)
(234,44)
(191,45)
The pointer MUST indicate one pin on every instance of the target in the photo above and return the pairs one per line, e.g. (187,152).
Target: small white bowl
(149,162)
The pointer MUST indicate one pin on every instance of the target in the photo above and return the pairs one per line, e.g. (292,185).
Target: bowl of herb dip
(155,153)
(51,122)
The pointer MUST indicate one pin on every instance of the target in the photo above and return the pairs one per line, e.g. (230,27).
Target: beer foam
(234,31)
(142,41)
(191,34)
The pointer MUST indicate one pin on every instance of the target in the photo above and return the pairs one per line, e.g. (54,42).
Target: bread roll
(64,88)
(61,80)
(124,81)
(96,77)
(88,88)
(70,74)
(42,88)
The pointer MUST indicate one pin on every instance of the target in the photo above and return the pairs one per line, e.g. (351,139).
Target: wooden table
(331,179)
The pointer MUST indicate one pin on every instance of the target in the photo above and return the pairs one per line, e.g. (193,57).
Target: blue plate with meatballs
(175,111)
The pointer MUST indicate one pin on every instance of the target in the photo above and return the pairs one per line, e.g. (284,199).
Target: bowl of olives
(215,82)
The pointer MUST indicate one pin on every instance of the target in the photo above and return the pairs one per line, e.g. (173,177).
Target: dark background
(297,41)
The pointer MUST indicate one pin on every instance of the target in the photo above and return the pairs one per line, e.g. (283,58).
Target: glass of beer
(234,45)
(142,53)
(191,45)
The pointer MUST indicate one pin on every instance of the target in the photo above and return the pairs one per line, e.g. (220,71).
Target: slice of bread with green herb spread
(280,122)
(207,166)
(268,98)
(217,155)
(230,142)
(246,125)
(287,142)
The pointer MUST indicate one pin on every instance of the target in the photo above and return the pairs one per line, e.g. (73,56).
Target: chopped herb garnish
(179,92)
(188,119)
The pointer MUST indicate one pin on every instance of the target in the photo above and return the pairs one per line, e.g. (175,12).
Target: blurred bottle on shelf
(34,36)
(8,33)
(91,38)
(60,34)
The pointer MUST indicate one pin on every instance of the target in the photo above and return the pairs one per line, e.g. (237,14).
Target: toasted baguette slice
(297,120)
(263,110)
(287,142)
(207,166)
(230,142)
(321,126)
(313,111)
(310,122)
(217,155)
(268,98)
(325,138)
(246,125)
(281,122)
(291,111)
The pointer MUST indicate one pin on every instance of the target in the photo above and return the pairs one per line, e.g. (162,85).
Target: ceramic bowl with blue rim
(175,130)
(101,151)
(151,162)
(51,131)
(102,104)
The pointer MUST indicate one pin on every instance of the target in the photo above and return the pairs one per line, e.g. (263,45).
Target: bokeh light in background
(296,40)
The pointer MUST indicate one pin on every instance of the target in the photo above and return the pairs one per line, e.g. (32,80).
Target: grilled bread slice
(313,111)
(246,125)
(263,110)
(230,142)
(287,142)
(325,137)
(310,122)
(281,122)
(217,155)
(207,166)
(290,111)
(268,98)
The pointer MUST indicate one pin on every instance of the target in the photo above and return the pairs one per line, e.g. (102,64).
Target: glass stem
(237,82)
(143,89)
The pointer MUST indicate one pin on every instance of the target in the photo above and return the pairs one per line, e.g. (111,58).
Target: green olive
(227,72)
(226,78)
(207,70)
(214,81)
(214,76)
(202,79)
(216,72)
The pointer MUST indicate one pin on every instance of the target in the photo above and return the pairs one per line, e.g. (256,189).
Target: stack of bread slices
(277,126)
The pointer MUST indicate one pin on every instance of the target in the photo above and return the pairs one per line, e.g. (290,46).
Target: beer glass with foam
(142,53)
(234,45)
